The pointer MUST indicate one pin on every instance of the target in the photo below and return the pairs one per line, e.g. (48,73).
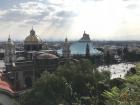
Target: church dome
(85,38)
(32,38)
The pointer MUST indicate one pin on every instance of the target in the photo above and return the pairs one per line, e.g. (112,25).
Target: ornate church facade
(24,68)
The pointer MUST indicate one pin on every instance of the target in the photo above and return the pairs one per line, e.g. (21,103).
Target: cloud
(92,0)
(13,16)
(31,22)
(32,8)
(125,0)
(24,11)
(129,0)
(132,6)
(35,12)
(56,2)
(2,12)
(71,16)
(6,4)
(65,14)
(61,19)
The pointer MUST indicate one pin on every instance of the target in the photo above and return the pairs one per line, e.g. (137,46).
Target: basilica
(24,67)
(79,48)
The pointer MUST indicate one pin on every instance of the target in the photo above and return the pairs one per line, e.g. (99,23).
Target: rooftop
(85,37)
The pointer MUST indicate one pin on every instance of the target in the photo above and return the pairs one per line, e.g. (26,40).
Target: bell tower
(9,55)
(66,49)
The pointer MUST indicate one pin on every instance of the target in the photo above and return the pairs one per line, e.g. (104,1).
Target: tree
(121,97)
(85,79)
(119,52)
(125,53)
(73,82)
(116,97)
(107,58)
(129,94)
(48,90)
(117,82)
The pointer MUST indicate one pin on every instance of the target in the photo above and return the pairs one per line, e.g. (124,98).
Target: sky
(57,19)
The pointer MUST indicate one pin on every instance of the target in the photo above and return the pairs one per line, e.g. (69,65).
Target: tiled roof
(5,86)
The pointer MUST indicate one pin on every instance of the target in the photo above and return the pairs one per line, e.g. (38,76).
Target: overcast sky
(56,19)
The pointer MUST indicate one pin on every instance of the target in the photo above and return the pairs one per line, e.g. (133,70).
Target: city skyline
(57,19)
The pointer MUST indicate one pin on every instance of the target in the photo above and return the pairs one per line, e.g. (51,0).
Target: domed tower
(9,55)
(66,49)
(32,42)
(85,37)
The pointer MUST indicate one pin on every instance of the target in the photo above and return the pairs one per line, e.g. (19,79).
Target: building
(24,67)
(32,42)
(6,94)
(66,49)
(9,55)
(79,48)
(85,37)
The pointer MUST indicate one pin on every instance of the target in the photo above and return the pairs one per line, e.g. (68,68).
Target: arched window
(28,81)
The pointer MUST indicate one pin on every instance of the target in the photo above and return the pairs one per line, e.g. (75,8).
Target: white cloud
(57,2)
(103,19)
(31,8)
(2,12)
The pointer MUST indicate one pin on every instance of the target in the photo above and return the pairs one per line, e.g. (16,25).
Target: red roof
(5,86)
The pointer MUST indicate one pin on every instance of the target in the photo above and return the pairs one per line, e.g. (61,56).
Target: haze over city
(56,19)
